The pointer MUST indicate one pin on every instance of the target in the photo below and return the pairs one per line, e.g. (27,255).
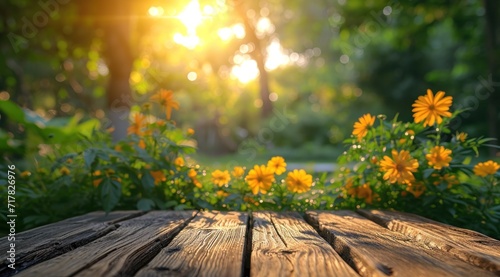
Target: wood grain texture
(376,251)
(45,242)
(119,253)
(283,244)
(468,245)
(211,245)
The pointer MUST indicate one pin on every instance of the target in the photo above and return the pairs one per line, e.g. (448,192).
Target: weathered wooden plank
(45,242)
(283,244)
(376,251)
(119,253)
(211,245)
(468,245)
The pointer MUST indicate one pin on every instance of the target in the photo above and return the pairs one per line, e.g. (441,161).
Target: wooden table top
(191,243)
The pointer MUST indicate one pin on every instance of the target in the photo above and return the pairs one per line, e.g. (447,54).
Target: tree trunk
(492,8)
(260,56)
(118,53)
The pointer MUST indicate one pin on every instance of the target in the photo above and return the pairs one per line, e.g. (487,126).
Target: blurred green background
(252,77)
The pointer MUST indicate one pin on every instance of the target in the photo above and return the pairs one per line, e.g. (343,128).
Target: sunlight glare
(191,16)
(264,26)
(225,33)
(238,30)
(155,11)
(189,41)
(276,57)
(246,71)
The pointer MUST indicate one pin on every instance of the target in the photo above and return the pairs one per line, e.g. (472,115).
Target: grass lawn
(309,157)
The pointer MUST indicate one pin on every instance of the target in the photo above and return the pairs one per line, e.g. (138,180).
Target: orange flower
(399,168)
(416,189)
(64,170)
(277,165)
(363,125)
(461,136)
(158,176)
(137,124)
(160,122)
(25,174)
(192,175)
(439,157)
(366,193)
(349,189)
(238,171)
(221,193)
(179,161)
(142,144)
(430,108)
(260,178)
(487,168)
(166,100)
(96,181)
(220,178)
(298,181)
(190,131)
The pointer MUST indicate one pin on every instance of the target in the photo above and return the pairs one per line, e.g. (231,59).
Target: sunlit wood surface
(191,243)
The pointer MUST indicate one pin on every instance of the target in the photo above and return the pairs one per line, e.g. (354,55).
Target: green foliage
(397,165)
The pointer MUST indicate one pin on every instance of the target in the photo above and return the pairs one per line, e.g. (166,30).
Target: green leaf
(89,156)
(111,191)
(428,172)
(170,204)
(148,182)
(13,111)
(145,204)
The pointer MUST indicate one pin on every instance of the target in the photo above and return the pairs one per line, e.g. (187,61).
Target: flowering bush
(421,167)
(263,187)
(147,170)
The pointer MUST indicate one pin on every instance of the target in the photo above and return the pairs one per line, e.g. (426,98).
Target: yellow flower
(260,178)
(298,181)
(349,189)
(277,165)
(192,173)
(366,193)
(158,176)
(97,181)
(220,178)
(190,131)
(416,189)
(461,136)
(25,174)
(399,168)
(197,184)
(179,161)
(64,170)
(439,157)
(166,100)
(250,200)
(361,127)
(221,193)
(430,108)
(447,178)
(142,144)
(118,148)
(160,122)
(137,124)
(487,168)
(238,171)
